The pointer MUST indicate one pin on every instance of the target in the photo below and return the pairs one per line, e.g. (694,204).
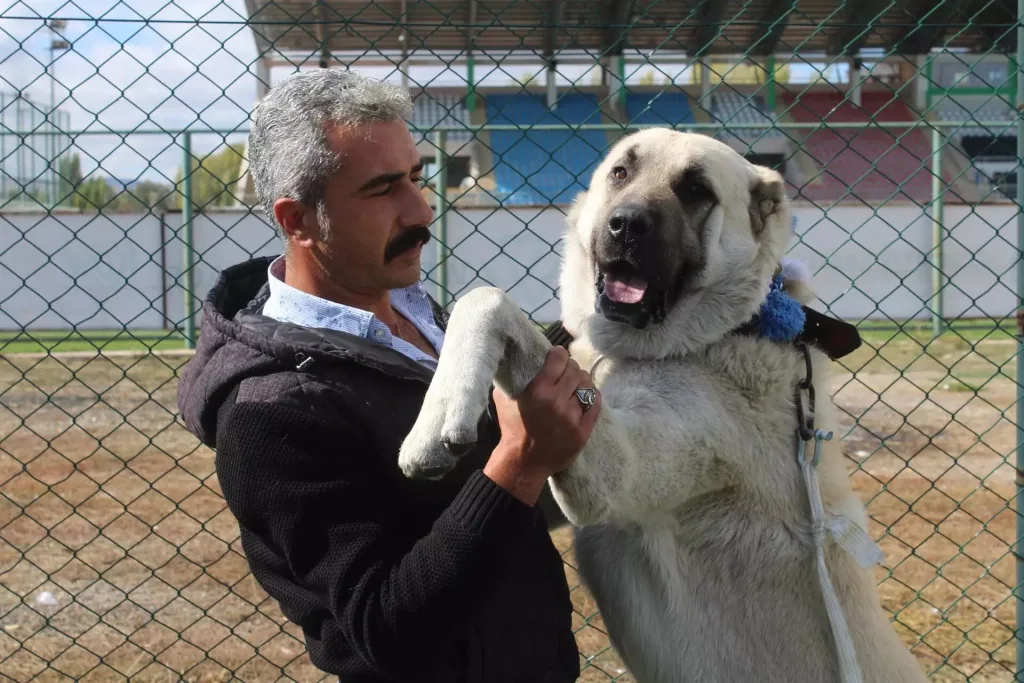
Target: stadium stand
(733,108)
(442,109)
(535,167)
(991,150)
(873,164)
(660,108)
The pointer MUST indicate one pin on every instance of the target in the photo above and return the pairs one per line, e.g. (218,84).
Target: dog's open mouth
(625,289)
(625,296)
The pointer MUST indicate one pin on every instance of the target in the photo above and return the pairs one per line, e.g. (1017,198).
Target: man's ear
(297,221)
(766,193)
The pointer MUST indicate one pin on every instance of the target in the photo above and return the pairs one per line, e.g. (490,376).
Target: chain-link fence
(124,190)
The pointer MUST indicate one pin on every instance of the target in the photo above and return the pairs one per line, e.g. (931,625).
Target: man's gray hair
(289,155)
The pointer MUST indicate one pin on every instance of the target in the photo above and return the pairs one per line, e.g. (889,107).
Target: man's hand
(544,429)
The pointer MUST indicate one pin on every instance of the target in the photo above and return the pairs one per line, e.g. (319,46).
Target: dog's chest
(700,573)
(757,371)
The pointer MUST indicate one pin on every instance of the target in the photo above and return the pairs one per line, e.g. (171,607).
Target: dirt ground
(119,560)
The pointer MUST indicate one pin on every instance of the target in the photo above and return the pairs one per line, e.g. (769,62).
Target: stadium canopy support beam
(771,25)
(708,19)
(851,35)
(1020,349)
(930,22)
(321,33)
(555,13)
(553,18)
(617,20)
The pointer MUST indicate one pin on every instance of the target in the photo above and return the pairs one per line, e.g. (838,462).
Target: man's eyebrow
(388,178)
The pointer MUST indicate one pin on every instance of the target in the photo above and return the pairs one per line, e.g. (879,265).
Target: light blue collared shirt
(289,305)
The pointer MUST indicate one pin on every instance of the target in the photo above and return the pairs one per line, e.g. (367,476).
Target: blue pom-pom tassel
(781,317)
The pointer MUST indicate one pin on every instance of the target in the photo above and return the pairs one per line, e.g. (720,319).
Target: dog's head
(672,246)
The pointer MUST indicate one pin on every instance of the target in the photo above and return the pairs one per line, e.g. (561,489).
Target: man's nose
(419,211)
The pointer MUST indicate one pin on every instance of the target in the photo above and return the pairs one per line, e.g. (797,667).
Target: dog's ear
(766,192)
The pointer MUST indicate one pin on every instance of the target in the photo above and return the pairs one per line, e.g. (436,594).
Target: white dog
(693,514)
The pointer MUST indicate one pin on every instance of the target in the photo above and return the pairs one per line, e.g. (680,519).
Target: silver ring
(587,397)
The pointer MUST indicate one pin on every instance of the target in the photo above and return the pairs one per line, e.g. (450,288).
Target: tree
(214,178)
(146,195)
(99,194)
(94,194)
(69,176)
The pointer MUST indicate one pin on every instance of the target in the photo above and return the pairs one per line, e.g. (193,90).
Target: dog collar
(781,319)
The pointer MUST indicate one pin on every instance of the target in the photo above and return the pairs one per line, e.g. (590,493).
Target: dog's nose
(632,220)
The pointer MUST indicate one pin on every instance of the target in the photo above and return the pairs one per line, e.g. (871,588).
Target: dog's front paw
(446,428)
(437,440)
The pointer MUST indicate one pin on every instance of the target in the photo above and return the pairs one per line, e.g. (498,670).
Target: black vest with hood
(390,579)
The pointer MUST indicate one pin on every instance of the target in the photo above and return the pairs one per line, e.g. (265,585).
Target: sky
(191,66)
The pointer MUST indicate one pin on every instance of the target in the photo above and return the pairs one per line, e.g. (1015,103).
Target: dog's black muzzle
(633,273)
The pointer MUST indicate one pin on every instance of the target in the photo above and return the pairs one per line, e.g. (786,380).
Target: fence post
(189,254)
(441,159)
(938,197)
(1020,344)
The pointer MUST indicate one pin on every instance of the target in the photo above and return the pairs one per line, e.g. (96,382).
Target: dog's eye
(619,172)
(699,191)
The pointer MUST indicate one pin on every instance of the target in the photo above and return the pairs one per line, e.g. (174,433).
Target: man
(310,370)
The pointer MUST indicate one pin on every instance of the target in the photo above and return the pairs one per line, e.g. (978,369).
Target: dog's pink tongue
(625,291)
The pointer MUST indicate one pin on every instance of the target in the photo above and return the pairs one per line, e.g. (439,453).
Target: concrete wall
(109,272)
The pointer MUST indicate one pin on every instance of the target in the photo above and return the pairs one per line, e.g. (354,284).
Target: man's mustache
(410,239)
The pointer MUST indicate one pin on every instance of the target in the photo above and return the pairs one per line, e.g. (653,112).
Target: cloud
(189,67)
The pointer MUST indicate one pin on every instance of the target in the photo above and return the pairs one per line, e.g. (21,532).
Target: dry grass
(113,509)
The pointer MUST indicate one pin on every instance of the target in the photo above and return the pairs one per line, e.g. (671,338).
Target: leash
(847,533)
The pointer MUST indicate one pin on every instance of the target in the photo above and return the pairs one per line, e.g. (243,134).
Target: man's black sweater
(390,579)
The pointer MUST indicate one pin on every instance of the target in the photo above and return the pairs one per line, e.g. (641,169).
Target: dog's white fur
(692,519)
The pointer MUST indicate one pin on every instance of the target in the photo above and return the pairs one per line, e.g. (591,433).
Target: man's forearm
(503,469)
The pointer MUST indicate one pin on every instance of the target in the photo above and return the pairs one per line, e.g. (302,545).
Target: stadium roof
(304,29)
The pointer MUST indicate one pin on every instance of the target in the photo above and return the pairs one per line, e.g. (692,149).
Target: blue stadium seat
(441,109)
(659,108)
(733,109)
(539,167)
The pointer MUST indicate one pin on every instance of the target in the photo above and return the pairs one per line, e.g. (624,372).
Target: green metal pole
(938,202)
(3,148)
(440,140)
(1020,344)
(188,254)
